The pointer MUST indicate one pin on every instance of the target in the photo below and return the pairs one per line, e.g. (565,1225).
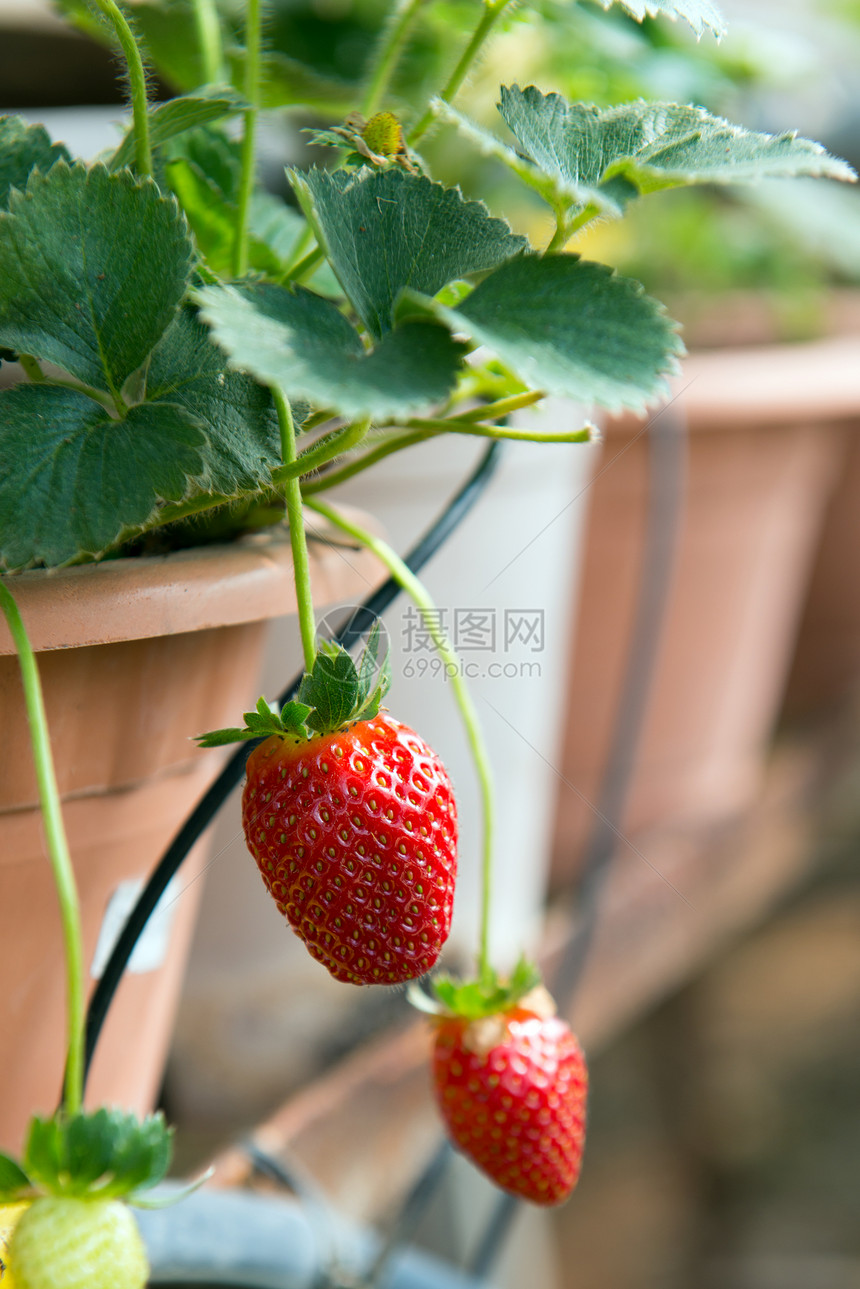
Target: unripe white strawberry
(71,1243)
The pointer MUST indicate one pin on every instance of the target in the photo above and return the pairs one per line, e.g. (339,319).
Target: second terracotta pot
(765,444)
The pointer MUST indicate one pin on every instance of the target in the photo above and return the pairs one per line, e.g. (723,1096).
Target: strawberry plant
(197,358)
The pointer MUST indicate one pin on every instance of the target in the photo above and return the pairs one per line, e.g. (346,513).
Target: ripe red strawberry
(512,1090)
(355,834)
(352,821)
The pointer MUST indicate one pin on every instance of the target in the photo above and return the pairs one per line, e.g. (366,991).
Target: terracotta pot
(136,656)
(765,443)
(825,670)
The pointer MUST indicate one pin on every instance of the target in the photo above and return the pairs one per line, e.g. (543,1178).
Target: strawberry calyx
(336,693)
(105,1154)
(486,997)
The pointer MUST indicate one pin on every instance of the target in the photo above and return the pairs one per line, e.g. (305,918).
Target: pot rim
(765,386)
(249,580)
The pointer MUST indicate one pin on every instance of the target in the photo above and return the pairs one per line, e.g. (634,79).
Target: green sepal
(488,996)
(340,692)
(335,693)
(175,1196)
(107,1154)
(14,1182)
(261,723)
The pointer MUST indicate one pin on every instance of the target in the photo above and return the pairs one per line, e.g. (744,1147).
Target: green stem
(585,435)
(303,242)
(253,38)
(565,228)
(298,540)
(305,267)
(502,406)
(58,851)
(395,444)
(388,53)
(208,27)
(327,448)
(417,592)
(137,84)
(492,12)
(31,368)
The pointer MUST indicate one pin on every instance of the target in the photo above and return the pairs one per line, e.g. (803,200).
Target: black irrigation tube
(667,469)
(359,623)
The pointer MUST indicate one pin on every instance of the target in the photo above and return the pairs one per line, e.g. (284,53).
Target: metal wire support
(359,623)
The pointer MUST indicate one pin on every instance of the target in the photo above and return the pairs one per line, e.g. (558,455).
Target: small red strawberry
(512,1090)
(351,819)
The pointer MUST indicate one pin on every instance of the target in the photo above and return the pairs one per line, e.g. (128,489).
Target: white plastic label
(151,949)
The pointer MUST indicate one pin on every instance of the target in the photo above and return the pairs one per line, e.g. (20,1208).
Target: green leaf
(243,443)
(108,1153)
(285,82)
(72,478)
(13,1179)
(178,115)
(78,250)
(24,148)
(567,326)
(603,156)
(302,343)
(698,13)
(204,169)
(384,230)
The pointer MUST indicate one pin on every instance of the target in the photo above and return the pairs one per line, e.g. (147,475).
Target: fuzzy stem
(209,44)
(253,39)
(58,851)
(137,84)
(327,448)
(388,53)
(305,267)
(502,406)
(481,431)
(417,592)
(492,12)
(298,540)
(394,444)
(419,431)
(31,368)
(565,228)
(301,248)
